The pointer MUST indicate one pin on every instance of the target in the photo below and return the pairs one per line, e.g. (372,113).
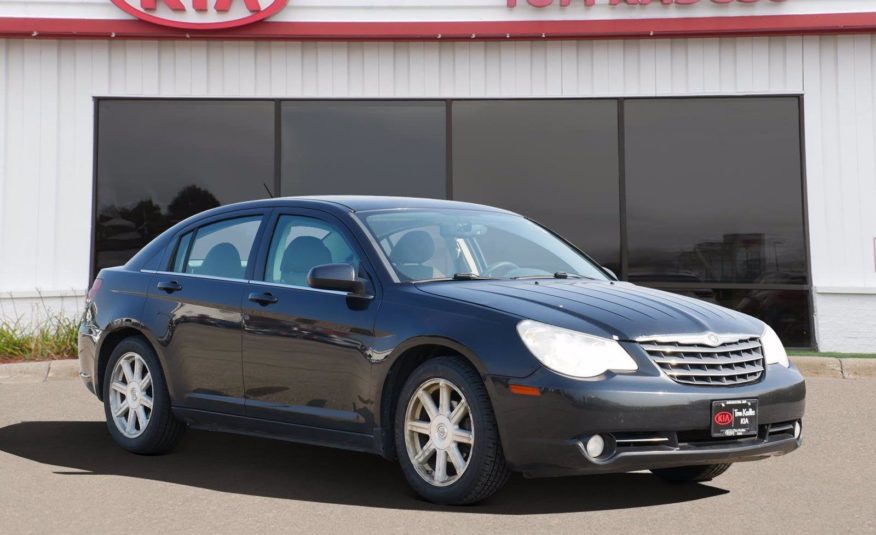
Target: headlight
(573,353)
(773,350)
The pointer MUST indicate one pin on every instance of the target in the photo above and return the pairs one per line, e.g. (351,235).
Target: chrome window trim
(308,288)
(198,276)
(250,281)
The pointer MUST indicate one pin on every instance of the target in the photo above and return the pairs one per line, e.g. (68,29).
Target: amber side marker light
(523,390)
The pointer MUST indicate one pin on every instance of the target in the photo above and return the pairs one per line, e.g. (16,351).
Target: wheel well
(113,339)
(401,369)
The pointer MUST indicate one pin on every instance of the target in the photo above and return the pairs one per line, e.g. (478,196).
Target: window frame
(280,228)
(270,227)
(193,227)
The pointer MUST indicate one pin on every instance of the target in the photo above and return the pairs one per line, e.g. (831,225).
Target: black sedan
(463,340)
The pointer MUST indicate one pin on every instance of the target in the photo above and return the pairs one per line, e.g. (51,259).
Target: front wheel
(691,474)
(136,401)
(446,436)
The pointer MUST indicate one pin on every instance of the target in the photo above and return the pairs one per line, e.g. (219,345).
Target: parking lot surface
(61,472)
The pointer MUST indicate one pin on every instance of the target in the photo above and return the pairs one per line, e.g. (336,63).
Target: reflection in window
(162,161)
(555,161)
(786,311)
(714,190)
(364,147)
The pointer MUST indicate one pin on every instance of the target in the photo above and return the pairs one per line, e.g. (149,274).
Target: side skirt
(243,425)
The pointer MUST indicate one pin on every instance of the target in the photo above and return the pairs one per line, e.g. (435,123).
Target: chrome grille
(732,363)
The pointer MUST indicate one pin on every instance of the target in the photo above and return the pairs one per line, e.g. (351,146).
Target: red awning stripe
(493,30)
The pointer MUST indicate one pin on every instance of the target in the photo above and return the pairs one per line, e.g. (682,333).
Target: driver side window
(301,243)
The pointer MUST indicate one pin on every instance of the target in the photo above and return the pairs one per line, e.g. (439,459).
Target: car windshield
(424,245)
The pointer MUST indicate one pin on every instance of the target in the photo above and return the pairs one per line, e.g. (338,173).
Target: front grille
(733,363)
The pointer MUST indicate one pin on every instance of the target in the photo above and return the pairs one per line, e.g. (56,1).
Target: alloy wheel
(131,395)
(439,432)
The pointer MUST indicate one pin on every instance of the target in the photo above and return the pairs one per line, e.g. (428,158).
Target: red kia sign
(724,418)
(201,14)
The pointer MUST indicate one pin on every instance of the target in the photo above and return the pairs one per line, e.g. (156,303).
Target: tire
(466,433)
(162,431)
(691,474)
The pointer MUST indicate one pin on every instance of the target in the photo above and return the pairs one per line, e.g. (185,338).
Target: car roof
(362,203)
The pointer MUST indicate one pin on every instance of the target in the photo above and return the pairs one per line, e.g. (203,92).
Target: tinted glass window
(221,249)
(300,244)
(714,190)
(365,147)
(160,161)
(786,311)
(555,161)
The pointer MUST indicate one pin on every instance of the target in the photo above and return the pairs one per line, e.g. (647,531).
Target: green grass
(830,354)
(54,338)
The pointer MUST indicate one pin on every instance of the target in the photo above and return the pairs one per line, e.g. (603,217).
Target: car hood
(601,308)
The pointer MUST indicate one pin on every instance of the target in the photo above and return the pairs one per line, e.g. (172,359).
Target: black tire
(487,471)
(691,474)
(163,431)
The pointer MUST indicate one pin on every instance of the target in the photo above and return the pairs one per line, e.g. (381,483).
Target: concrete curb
(60,370)
(38,372)
(835,367)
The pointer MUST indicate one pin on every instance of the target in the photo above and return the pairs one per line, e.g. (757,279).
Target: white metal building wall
(46,126)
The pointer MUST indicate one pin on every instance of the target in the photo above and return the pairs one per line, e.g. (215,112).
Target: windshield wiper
(467,276)
(557,275)
(564,275)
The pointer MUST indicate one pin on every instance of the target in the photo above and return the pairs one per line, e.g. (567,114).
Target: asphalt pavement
(61,473)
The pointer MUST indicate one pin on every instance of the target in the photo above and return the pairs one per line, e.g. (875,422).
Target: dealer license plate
(734,418)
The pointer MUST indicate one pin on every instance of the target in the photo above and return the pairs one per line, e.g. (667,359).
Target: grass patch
(54,338)
(834,355)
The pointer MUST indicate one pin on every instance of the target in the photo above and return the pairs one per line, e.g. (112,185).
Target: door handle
(169,286)
(263,298)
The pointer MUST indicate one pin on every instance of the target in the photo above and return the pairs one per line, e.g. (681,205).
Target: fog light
(797,429)
(595,446)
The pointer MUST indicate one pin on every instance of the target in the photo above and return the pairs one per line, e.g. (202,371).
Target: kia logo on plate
(723,418)
(201,14)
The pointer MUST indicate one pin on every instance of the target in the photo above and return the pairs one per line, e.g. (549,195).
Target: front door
(195,310)
(306,351)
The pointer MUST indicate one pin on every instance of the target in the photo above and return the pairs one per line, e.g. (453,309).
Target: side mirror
(337,277)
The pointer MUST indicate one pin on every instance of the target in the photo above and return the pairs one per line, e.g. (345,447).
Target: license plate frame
(734,418)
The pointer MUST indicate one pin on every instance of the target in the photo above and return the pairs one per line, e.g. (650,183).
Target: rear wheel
(136,401)
(691,474)
(446,435)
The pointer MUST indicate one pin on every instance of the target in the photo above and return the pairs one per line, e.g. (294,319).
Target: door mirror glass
(337,277)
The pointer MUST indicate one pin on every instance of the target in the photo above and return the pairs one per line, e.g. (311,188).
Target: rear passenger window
(218,250)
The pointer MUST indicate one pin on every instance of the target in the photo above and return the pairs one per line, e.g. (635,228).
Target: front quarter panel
(409,318)
(487,337)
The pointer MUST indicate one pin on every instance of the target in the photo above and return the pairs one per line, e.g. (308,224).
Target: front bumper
(649,421)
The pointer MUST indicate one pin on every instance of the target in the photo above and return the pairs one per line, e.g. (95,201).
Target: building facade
(720,149)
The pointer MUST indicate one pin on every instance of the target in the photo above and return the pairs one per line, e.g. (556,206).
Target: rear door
(306,351)
(195,307)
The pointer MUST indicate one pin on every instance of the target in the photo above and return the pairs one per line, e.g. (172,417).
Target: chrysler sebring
(465,341)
